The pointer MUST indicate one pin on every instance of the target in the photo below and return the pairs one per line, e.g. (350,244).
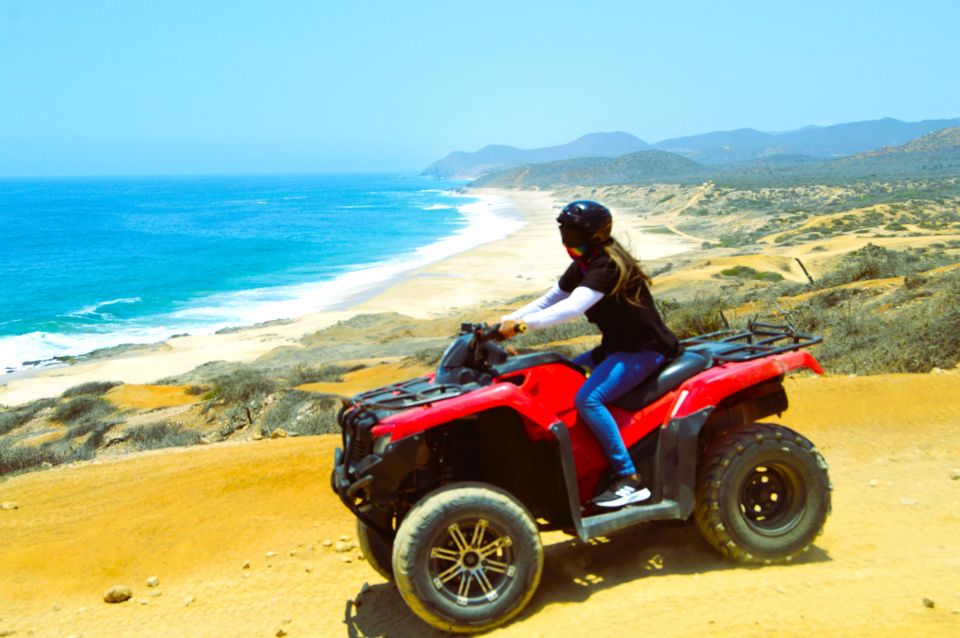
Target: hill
(814,141)
(494,158)
(635,167)
(935,154)
(715,148)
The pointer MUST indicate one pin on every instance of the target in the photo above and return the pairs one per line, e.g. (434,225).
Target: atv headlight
(380,444)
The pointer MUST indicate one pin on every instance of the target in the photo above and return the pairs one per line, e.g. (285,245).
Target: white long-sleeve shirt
(556,306)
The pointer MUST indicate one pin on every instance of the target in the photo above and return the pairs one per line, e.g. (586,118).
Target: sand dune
(193,517)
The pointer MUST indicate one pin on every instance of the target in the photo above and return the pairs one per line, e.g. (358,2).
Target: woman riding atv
(606,283)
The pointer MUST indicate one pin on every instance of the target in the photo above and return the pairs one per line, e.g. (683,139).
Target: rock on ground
(117,594)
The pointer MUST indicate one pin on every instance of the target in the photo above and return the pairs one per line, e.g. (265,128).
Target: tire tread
(718,458)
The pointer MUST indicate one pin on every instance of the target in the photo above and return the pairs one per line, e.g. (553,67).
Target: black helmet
(585,222)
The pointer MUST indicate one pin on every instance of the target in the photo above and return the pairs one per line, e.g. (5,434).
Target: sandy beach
(522,264)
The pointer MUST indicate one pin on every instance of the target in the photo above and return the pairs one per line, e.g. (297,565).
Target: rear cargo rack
(757,340)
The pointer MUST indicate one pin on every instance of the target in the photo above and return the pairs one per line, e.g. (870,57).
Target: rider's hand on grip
(511,327)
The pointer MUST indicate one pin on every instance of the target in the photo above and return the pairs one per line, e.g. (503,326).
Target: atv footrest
(602,524)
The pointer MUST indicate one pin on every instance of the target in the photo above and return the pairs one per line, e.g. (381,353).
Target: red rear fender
(714,385)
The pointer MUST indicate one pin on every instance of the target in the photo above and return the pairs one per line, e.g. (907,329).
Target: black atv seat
(524,361)
(691,362)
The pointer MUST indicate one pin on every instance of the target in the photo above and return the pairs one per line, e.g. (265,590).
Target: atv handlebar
(484,333)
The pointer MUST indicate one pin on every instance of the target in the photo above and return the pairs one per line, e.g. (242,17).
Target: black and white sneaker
(624,491)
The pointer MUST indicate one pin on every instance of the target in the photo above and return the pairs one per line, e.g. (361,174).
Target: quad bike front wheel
(467,557)
(378,552)
(763,494)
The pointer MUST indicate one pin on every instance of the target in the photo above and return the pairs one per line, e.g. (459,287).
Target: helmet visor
(573,236)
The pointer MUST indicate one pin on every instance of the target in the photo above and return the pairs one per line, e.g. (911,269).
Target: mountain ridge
(494,157)
(935,152)
(712,148)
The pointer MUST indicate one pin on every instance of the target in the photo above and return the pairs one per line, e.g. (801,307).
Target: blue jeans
(619,373)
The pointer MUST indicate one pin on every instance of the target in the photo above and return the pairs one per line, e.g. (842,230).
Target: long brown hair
(630,274)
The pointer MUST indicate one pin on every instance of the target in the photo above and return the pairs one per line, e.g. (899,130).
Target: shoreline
(524,262)
(463,224)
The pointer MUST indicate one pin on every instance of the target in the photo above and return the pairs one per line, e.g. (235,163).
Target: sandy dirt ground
(195,517)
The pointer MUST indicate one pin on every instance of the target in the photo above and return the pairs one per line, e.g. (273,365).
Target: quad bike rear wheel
(378,552)
(763,494)
(467,557)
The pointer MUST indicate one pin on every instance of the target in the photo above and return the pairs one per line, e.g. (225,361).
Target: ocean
(97,262)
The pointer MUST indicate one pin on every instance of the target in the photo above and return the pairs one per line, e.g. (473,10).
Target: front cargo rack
(407,394)
(757,340)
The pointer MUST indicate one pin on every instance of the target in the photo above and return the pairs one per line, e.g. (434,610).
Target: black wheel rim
(772,498)
(472,562)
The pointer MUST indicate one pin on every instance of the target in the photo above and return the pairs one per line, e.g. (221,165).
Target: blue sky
(97,87)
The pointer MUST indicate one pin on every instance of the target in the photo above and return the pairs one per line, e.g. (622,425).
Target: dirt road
(194,517)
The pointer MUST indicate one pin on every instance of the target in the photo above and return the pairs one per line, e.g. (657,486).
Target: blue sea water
(96,262)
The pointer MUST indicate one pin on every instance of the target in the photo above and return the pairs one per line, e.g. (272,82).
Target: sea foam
(482,219)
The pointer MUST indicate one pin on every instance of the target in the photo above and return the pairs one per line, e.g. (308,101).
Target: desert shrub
(860,340)
(21,458)
(428,357)
(160,435)
(667,267)
(195,390)
(241,386)
(739,238)
(85,407)
(319,422)
(569,330)
(303,413)
(914,341)
(746,272)
(738,271)
(768,275)
(13,418)
(93,430)
(869,262)
(702,314)
(303,373)
(911,282)
(93,388)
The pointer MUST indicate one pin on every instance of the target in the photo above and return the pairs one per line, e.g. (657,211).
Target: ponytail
(630,275)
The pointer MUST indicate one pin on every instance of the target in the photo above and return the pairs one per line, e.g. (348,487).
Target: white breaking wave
(488,219)
(92,310)
(40,348)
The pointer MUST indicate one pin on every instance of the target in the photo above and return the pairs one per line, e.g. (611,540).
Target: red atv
(453,475)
